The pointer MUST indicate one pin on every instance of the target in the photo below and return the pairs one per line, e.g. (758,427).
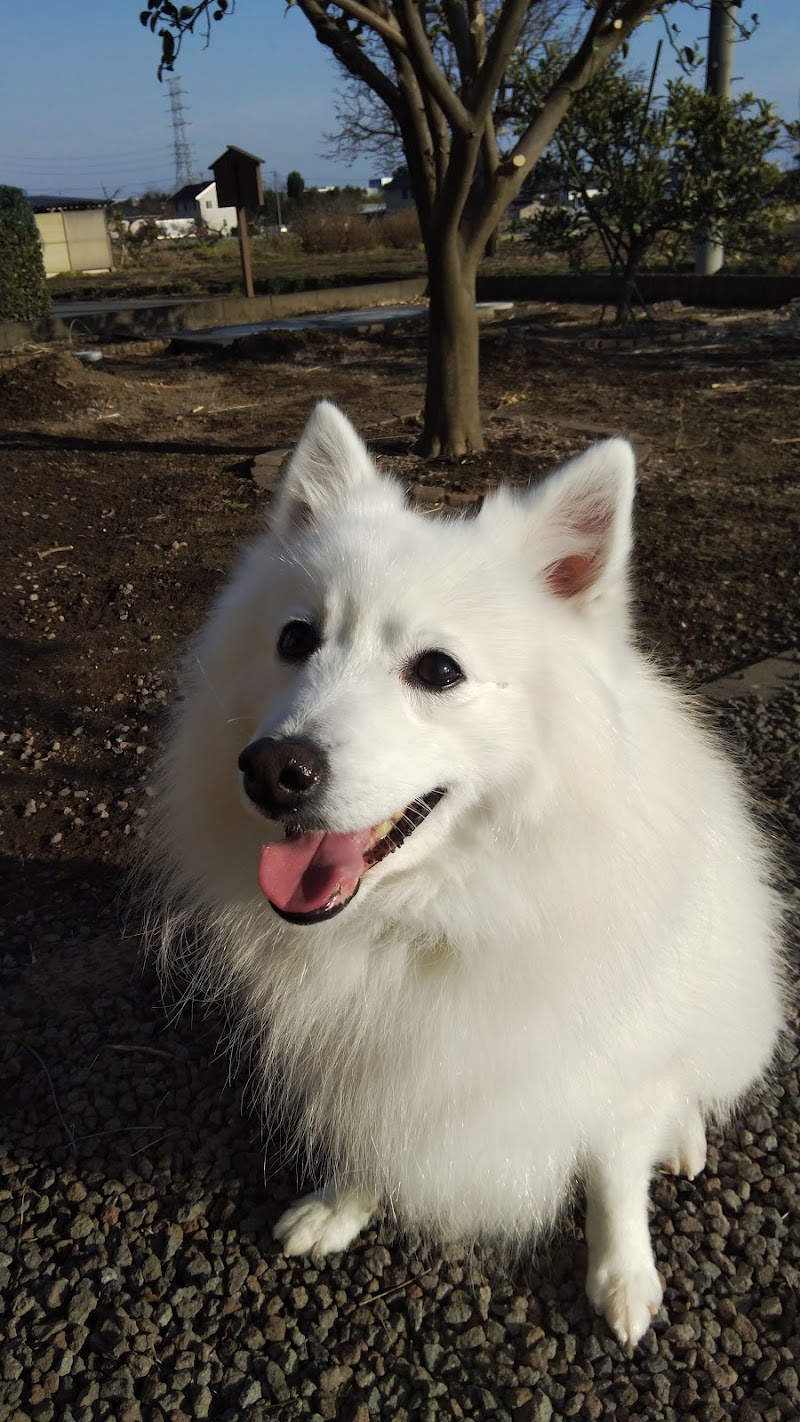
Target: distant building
(74,234)
(199,202)
(520,208)
(397,193)
(166,227)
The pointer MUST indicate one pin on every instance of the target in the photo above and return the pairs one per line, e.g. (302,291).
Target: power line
(57,183)
(78,175)
(132,155)
(58,186)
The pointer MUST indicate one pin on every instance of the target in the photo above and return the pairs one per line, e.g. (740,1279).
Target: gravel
(139,1276)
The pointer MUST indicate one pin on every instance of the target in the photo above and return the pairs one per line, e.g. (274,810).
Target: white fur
(572,963)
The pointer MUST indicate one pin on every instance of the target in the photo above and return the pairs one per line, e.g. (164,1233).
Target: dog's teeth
(390,834)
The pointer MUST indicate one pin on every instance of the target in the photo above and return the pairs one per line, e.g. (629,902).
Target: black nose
(282,776)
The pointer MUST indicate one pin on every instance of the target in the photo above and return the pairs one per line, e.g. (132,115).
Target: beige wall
(74,241)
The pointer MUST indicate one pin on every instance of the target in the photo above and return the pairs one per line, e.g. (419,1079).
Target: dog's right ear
(329,466)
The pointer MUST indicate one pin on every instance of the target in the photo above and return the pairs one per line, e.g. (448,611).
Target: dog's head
(398,671)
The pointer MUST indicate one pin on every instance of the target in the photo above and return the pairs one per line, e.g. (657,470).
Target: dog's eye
(298,641)
(436,671)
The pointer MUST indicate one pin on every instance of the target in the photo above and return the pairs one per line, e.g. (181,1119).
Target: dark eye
(436,671)
(298,641)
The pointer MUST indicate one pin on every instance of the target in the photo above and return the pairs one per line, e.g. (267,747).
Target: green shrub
(23,286)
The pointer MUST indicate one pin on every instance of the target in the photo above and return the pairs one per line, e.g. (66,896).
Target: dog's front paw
(687,1155)
(628,1300)
(322,1224)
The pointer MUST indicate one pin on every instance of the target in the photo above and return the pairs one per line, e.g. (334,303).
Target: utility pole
(277,186)
(709,253)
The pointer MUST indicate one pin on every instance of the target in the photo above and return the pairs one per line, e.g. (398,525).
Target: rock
(266,468)
(334,1379)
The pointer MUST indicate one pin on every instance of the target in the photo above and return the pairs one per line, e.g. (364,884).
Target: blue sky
(81,109)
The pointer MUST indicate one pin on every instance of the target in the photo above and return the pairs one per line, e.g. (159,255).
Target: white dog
(486,898)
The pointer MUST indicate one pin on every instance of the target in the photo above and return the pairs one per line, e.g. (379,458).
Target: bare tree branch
(365,127)
(352,56)
(458,28)
(383,26)
(499,49)
(477,30)
(428,71)
(418,142)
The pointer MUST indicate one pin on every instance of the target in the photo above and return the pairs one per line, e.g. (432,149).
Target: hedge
(23,285)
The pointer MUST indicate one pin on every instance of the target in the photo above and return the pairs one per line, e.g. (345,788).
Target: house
(199,202)
(74,234)
(397,194)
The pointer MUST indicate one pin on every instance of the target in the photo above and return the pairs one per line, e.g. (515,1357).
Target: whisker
(209,683)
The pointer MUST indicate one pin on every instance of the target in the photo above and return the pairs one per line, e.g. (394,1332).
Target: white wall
(219,219)
(75,241)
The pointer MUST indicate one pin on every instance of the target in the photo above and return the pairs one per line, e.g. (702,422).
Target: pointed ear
(328,467)
(582,518)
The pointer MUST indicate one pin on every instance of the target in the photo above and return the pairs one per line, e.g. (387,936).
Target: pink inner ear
(576,572)
(572,574)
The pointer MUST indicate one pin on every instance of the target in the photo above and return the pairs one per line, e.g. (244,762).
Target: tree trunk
(628,287)
(624,300)
(452,423)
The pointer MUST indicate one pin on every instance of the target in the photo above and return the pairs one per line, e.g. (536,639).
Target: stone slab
(763,679)
(266,468)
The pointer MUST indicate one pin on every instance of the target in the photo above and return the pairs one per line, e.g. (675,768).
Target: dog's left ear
(582,522)
(330,466)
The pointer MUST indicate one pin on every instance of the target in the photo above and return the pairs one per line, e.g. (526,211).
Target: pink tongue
(300,875)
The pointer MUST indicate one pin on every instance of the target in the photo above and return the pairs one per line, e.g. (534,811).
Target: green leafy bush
(643,175)
(23,286)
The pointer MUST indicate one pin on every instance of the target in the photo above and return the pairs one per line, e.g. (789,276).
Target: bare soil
(128,488)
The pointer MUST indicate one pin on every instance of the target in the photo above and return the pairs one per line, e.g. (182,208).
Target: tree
(23,285)
(295,186)
(641,172)
(365,127)
(135,237)
(153,202)
(462,175)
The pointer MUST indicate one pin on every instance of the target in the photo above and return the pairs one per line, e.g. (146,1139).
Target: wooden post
(237,175)
(244,249)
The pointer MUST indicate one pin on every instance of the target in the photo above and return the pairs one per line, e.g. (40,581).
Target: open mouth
(314,874)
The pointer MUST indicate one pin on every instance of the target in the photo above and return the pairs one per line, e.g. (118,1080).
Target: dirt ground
(136,1202)
(127,489)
